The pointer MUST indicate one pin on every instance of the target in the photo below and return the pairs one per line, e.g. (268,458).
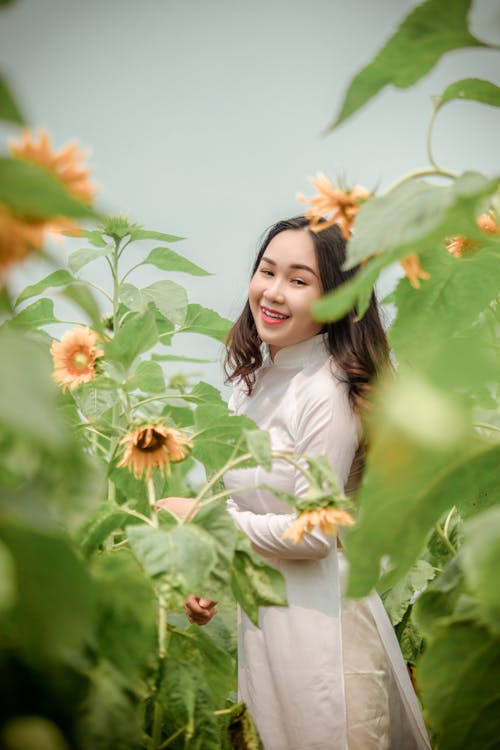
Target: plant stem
(173,737)
(99,289)
(136,514)
(442,535)
(484,426)
(157,722)
(152,501)
(425,172)
(111,491)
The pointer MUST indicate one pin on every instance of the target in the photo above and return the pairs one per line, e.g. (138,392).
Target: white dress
(323,673)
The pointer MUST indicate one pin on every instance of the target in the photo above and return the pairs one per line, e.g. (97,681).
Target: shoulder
(321,390)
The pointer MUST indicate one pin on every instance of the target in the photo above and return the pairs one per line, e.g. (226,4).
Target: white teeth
(275,315)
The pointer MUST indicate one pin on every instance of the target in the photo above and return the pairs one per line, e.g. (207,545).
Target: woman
(322,673)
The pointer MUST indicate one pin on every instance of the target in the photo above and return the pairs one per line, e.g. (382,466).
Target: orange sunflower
(66,164)
(339,205)
(153,446)
(327,519)
(17,238)
(414,271)
(461,246)
(75,357)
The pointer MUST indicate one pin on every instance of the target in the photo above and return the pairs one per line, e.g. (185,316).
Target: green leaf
(169,298)
(138,233)
(110,714)
(353,293)
(147,377)
(127,613)
(39,313)
(481,560)
(204,393)
(8,106)
(215,520)
(8,584)
(254,583)
(132,297)
(138,334)
(95,237)
(418,216)
(80,258)
(398,599)
(396,515)
(168,260)
(457,676)
(81,295)
(184,556)
(32,191)
(218,435)
(179,358)
(93,402)
(208,322)
(96,530)
(475,89)
(56,598)
(55,279)
(259,445)
(427,33)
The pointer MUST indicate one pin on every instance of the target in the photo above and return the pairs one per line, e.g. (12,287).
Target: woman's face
(282,289)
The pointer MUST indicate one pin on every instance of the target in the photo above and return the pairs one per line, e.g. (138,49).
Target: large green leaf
(398,599)
(481,561)
(110,715)
(170,299)
(353,293)
(218,435)
(138,334)
(127,626)
(54,279)
(80,258)
(254,583)
(418,216)
(427,33)
(138,233)
(259,445)
(475,89)
(201,319)
(56,597)
(31,191)
(147,377)
(214,520)
(168,260)
(458,678)
(39,313)
(183,556)
(8,106)
(404,493)
(96,530)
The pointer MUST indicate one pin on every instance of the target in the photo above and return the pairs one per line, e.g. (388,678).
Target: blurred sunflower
(18,237)
(327,519)
(66,164)
(75,357)
(340,205)
(461,246)
(413,270)
(153,446)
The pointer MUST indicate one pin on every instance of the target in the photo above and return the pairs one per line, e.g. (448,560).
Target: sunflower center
(80,360)
(150,441)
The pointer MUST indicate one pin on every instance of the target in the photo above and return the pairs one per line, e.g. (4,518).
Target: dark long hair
(359,347)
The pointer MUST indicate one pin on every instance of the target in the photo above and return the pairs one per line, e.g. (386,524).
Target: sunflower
(413,270)
(66,164)
(17,238)
(75,356)
(153,446)
(343,206)
(461,246)
(327,519)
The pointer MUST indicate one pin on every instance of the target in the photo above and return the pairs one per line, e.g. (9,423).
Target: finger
(193,604)
(206,603)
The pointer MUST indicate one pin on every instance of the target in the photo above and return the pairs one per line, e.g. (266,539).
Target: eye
(298,282)
(266,272)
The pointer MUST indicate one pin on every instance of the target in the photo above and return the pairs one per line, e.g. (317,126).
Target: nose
(274,290)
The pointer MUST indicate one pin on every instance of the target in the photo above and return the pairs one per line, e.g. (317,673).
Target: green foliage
(474,89)
(426,34)
(9,109)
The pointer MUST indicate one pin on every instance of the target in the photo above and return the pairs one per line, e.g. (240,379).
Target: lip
(268,319)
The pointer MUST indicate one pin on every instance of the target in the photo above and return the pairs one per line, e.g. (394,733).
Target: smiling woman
(323,672)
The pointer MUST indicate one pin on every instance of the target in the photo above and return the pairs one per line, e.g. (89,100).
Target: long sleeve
(323,425)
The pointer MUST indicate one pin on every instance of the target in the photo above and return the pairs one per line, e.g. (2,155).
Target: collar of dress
(298,355)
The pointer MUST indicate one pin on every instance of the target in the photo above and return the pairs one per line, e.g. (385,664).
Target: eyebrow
(299,266)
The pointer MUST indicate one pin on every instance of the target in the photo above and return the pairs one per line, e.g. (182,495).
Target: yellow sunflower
(327,519)
(413,270)
(153,446)
(75,356)
(18,237)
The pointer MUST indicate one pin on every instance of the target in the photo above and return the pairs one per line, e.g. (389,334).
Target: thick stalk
(152,501)
(425,172)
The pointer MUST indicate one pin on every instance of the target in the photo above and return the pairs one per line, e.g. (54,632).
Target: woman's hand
(199,610)
(181,506)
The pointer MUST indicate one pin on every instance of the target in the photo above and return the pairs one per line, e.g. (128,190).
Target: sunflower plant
(428,535)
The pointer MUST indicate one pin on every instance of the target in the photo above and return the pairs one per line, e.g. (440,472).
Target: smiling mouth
(272,317)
